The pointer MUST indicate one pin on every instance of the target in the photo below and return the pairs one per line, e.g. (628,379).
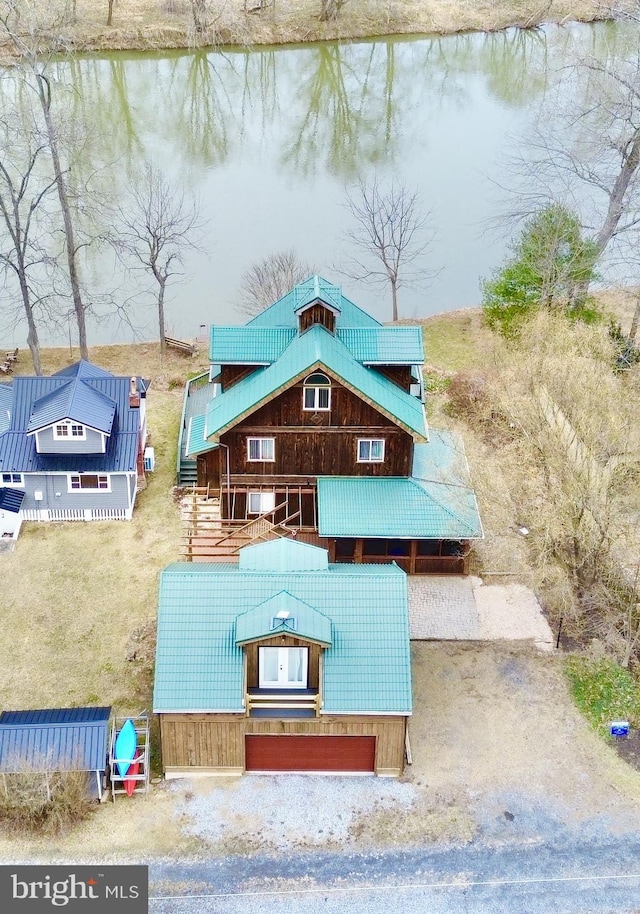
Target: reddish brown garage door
(310,753)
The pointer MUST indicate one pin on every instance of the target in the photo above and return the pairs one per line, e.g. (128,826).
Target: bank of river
(154,25)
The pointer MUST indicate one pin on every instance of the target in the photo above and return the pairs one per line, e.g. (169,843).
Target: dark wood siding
(310,753)
(231,374)
(399,374)
(317,314)
(318,452)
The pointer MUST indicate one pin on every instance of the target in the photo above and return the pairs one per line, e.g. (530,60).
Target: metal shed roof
(54,739)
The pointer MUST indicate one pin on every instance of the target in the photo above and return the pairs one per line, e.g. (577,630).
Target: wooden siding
(313,667)
(347,411)
(319,452)
(317,314)
(399,374)
(215,742)
(208,468)
(231,374)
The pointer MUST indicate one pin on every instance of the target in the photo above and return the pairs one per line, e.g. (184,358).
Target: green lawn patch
(603,690)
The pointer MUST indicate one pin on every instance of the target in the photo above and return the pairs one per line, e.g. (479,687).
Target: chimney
(134,396)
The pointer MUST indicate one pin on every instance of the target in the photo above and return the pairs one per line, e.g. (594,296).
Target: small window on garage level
(260,502)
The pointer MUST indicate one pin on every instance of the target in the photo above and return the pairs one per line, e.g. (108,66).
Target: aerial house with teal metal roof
(315,423)
(282,662)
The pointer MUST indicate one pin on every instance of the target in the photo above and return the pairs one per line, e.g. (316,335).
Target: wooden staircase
(209,538)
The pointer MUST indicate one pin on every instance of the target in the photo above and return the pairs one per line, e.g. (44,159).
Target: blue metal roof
(384,345)
(17,447)
(74,400)
(314,349)
(57,739)
(248,345)
(199,665)
(283,312)
(11,499)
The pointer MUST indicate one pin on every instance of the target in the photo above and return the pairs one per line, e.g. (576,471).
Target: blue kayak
(125,747)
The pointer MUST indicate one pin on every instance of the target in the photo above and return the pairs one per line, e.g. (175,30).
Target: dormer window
(67,430)
(316,394)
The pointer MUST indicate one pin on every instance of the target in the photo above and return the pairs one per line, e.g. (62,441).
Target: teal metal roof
(384,345)
(264,345)
(283,554)
(199,665)
(436,502)
(283,312)
(196,442)
(283,614)
(316,348)
(249,345)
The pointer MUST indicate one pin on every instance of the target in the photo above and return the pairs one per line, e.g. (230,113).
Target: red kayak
(130,781)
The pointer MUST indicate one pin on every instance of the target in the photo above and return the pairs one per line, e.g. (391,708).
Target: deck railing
(274,701)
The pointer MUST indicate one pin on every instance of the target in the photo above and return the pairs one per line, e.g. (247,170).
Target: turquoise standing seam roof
(283,554)
(296,618)
(199,665)
(315,348)
(282,313)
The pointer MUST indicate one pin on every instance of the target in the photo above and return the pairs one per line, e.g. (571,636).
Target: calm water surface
(268,141)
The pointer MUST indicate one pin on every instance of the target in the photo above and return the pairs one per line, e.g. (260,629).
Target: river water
(268,141)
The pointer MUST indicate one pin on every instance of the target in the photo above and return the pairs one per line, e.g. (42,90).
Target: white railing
(88,514)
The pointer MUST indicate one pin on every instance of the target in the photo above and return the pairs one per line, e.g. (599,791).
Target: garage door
(310,753)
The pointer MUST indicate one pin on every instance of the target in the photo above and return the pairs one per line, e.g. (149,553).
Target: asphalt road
(570,877)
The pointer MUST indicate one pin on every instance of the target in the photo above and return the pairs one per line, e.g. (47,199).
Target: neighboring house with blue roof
(49,740)
(315,422)
(73,443)
(282,662)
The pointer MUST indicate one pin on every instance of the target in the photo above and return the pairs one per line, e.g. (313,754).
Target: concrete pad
(511,612)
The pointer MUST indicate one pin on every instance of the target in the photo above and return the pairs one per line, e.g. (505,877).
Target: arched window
(317,392)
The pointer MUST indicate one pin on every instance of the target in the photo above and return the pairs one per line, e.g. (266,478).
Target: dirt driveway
(499,753)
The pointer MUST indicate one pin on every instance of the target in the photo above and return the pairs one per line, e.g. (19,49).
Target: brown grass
(149,24)
(74,594)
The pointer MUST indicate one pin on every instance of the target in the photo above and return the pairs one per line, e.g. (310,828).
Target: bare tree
(27,43)
(269,279)
(392,236)
(331,9)
(159,223)
(20,203)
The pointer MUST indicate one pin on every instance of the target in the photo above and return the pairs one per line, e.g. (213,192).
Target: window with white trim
(12,479)
(316,393)
(283,667)
(89,482)
(66,430)
(260,502)
(261,449)
(370,450)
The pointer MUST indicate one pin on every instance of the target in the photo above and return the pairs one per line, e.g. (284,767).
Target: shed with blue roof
(51,740)
(282,662)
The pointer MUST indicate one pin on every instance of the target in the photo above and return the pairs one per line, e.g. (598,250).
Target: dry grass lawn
(154,24)
(75,594)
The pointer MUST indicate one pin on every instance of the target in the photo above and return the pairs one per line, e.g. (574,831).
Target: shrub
(47,803)
(468,393)
(603,690)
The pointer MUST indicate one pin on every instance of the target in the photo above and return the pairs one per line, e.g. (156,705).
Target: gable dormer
(317,304)
(75,418)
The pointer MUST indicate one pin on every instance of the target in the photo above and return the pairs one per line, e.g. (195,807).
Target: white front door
(282,667)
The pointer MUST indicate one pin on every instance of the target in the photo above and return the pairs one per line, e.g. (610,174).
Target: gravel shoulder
(499,754)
